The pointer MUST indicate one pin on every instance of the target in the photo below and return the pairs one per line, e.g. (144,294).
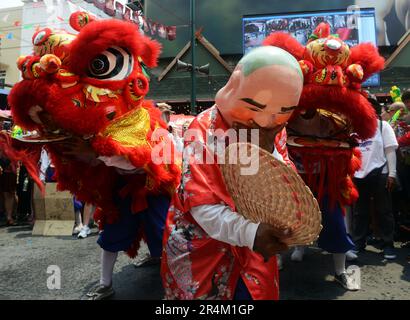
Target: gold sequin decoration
(92,93)
(131,129)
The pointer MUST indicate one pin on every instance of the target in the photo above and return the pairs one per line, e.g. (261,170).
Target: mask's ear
(150,52)
(226,91)
(234,80)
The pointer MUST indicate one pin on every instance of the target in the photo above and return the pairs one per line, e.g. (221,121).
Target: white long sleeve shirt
(223,224)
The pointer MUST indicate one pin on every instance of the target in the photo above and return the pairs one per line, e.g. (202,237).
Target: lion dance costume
(92,85)
(333,113)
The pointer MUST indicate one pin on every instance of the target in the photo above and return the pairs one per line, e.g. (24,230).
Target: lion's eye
(112,64)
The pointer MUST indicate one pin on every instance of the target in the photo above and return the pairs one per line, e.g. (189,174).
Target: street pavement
(24,260)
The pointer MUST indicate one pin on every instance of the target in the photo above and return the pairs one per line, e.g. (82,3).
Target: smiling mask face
(263,90)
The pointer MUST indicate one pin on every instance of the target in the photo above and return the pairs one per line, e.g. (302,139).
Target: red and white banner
(119,10)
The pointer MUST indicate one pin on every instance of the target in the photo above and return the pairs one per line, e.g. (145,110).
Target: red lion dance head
(333,75)
(79,84)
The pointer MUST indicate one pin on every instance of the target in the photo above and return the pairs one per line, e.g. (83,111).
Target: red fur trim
(152,50)
(99,218)
(22,97)
(345,101)
(333,177)
(98,36)
(286,42)
(85,120)
(322,30)
(352,193)
(356,161)
(404,140)
(367,55)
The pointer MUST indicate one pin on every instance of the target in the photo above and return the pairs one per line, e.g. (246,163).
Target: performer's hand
(78,149)
(47,121)
(390,184)
(268,240)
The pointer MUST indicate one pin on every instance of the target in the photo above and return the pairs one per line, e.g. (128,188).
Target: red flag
(119,10)
(135,18)
(171,33)
(127,14)
(162,31)
(109,7)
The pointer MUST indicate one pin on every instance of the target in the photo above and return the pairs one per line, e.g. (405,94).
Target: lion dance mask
(332,112)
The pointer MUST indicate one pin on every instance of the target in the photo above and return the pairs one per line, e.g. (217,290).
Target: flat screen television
(353,27)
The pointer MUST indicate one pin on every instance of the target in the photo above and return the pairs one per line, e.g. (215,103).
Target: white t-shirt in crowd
(373,150)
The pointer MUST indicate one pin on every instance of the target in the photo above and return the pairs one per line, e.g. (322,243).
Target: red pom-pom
(79,19)
(322,30)
(285,42)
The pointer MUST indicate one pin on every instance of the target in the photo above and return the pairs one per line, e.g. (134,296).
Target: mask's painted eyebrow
(254,103)
(287,109)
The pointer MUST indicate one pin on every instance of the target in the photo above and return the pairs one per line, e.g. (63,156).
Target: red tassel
(133,250)
(29,158)
(327,173)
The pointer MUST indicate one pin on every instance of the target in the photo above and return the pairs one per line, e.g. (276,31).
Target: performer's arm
(223,224)
(390,145)
(121,163)
(82,151)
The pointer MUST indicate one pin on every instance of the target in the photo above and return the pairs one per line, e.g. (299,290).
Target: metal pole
(193,77)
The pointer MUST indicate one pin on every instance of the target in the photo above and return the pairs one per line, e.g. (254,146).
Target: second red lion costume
(333,113)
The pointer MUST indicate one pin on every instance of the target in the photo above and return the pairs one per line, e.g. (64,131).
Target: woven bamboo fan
(274,194)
